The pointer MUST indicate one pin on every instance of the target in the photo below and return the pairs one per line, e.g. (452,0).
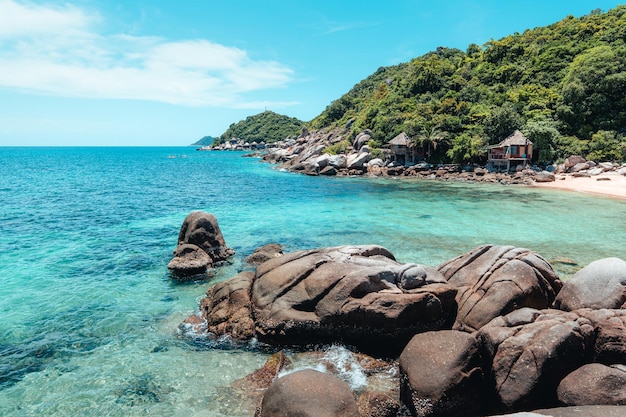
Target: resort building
(516,150)
(401,150)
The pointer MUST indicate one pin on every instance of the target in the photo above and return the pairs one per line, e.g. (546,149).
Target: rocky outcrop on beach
(485,333)
(200,246)
(494,280)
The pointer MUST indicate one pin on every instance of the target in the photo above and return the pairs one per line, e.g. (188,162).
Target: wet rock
(532,352)
(264,253)
(308,393)
(495,280)
(227,308)
(594,384)
(601,284)
(377,404)
(441,375)
(264,376)
(200,245)
(189,260)
(358,295)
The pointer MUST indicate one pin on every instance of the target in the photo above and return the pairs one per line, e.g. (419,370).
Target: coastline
(609,184)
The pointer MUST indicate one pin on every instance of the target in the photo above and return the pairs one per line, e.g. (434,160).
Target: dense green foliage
(563,86)
(205,141)
(264,127)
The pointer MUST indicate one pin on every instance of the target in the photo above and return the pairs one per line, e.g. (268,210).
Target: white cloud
(52,50)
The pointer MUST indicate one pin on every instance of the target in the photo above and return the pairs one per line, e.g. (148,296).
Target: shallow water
(89,314)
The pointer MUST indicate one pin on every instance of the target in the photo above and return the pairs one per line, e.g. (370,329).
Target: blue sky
(162,72)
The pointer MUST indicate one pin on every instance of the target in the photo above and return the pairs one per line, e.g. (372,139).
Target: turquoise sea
(89,313)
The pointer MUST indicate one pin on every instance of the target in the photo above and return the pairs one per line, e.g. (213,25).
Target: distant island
(205,141)
(563,86)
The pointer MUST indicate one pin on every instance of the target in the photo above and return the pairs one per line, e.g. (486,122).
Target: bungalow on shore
(401,152)
(516,150)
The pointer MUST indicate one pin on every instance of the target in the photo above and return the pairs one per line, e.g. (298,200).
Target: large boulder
(441,374)
(357,295)
(573,160)
(594,384)
(226,307)
(200,245)
(601,284)
(359,160)
(610,328)
(532,352)
(544,176)
(308,393)
(361,140)
(495,280)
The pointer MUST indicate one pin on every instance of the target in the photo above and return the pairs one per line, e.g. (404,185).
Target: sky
(166,73)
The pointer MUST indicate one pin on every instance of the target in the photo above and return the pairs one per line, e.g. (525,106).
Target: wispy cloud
(58,51)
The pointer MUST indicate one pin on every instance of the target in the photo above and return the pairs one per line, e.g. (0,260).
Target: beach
(609,184)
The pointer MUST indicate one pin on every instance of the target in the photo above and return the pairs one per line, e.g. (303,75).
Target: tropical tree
(430,138)
(466,147)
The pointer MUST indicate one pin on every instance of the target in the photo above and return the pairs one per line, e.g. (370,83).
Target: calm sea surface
(89,314)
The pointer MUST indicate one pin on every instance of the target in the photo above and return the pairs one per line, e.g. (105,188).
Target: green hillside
(563,86)
(267,126)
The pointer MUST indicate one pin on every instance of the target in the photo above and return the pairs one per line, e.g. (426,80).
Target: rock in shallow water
(200,245)
(308,393)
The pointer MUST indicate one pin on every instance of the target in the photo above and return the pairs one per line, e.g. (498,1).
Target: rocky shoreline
(308,154)
(491,331)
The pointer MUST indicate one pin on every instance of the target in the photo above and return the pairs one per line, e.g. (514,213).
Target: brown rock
(264,376)
(264,253)
(610,328)
(308,393)
(601,284)
(189,260)
(199,233)
(573,160)
(226,307)
(594,384)
(377,404)
(495,280)
(441,374)
(358,295)
(532,351)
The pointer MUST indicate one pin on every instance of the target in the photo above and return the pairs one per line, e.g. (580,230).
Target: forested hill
(267,127)
(563,85)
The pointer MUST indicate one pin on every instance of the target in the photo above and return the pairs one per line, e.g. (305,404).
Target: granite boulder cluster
(492,331)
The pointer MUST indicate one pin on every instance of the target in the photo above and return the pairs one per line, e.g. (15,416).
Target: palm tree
(430,137)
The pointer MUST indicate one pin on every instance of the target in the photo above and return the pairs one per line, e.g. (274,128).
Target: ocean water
(89,313)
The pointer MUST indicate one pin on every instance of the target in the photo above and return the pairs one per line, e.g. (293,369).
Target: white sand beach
(608,184)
